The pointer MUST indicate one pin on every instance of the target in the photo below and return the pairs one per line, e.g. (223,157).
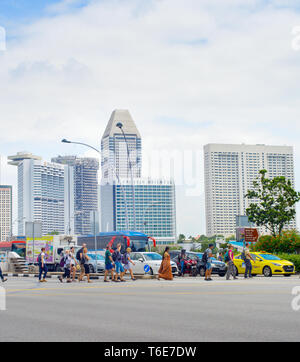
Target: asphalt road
(186,309)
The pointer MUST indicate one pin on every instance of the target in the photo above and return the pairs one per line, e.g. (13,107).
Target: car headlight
(276,264)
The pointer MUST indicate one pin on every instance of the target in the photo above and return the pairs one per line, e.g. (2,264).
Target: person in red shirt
(230,263)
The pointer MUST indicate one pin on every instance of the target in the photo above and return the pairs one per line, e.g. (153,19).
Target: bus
(136,241)
(17,246)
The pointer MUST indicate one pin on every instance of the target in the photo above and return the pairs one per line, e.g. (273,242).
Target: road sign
(251,235)
(247,235)
(146,268)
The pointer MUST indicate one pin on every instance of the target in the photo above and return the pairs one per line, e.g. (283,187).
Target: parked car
(265,264)
(219,267)
(100,263)
(153,260)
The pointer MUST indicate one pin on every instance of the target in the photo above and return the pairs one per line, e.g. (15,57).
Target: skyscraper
(113,147)
(5,212)
(85,190)
(45,194)
(229,173)
(155,209)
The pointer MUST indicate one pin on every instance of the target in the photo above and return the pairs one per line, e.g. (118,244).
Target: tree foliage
(288,242)
(274,203)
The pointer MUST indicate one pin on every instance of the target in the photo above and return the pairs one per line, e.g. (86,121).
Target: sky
(190,72)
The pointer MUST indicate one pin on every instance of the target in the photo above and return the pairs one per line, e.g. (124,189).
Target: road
(187,309)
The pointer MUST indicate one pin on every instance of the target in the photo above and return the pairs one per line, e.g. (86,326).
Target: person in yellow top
(165,270)
(248,258)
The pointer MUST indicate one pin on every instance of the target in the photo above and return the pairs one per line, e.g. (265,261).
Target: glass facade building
(155,208)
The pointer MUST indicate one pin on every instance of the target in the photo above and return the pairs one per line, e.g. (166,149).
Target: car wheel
(222,274)
(267,272)
(91,268)
(287,275)
(202,272)
(151,271)
(58,268)
(194,274)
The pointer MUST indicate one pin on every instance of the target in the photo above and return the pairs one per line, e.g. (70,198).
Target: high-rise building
(45,194)
(85,190)
(21,156)
(229,173)
(114,149)
(155,208)
(5,212)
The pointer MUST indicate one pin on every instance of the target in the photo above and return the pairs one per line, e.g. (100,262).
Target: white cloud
(224,71)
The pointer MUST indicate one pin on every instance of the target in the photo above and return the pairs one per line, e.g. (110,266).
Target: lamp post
(120,126)
(122,188)
(13,223)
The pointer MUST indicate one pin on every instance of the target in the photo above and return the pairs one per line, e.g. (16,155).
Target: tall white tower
(113,146)
(229,173)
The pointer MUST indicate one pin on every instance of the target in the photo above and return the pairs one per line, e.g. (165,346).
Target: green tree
(181,238)
(274,205)
(54,233)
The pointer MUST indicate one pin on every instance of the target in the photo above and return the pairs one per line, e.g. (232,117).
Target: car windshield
(269,257)
(152,256)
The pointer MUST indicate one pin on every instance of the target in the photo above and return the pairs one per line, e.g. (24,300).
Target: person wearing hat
(128,262)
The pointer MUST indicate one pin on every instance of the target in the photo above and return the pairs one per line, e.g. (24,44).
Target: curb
(54,275)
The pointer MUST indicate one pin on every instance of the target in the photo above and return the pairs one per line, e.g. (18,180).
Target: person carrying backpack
(80,259)
(230,264)
(109,264)
(117,258)
(85,265)
(67,267)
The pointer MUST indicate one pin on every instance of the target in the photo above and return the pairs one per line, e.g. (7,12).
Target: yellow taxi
(265,264)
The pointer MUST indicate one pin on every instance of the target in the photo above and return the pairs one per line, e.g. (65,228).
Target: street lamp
(122,188)
(120,126)
(13,223)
